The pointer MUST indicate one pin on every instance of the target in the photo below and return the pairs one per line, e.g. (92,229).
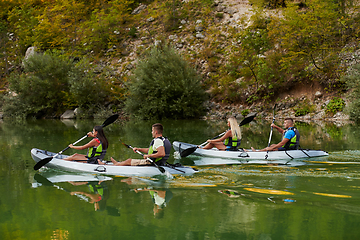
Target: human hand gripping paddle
(161,169)
(271,131)
(190,150)
(44,161)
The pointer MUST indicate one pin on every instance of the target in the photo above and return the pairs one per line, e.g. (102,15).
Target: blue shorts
(230,148)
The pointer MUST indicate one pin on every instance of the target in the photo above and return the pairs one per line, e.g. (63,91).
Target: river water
(314,199)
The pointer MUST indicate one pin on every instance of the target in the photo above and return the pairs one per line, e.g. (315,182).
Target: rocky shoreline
(284,109)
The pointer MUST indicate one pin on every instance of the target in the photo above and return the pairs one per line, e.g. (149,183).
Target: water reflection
(325,204)
(97,192)
(160,197)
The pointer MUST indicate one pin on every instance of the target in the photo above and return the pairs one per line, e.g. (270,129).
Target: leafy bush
(50,84)
(40,88)
(352,79)
(245,112)
(335,105)
(303,108)
(165,86)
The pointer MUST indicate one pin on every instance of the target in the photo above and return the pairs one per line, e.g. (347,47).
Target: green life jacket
(167,146)
(98,151)
(294,142)
(232,142)
(97,189)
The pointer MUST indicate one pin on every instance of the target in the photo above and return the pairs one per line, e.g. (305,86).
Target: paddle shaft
(271,131)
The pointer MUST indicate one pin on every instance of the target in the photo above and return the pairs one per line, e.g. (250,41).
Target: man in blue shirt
(290,139)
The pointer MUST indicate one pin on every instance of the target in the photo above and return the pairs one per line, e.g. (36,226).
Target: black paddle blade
(188,151)
(110,120)
(42,162)
(248,119)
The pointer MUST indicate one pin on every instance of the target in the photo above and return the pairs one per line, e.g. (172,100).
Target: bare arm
(225,136)
(160,153)
(92,143)
(280,144)
(143,150)
(280,130)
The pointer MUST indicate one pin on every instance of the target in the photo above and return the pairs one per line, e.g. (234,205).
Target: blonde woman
(230,141)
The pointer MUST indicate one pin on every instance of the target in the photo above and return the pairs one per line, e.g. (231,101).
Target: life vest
(232,142)
(97,152)
(294,142)
(167,146)
(97,189)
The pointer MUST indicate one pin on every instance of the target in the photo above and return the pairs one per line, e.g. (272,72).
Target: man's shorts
(140,162)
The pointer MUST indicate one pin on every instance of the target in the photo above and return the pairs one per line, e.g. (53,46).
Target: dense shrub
(40,88)
(50,84)
(165,86)
(352,80)
(303,108)
(335,105)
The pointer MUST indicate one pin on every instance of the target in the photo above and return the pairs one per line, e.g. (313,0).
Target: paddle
(161,169)
(190,150)
(44,161)
(271,131)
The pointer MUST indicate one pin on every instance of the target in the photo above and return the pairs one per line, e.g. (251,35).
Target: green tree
(165,86)
(87,90)
(40,89)
(352,80)
(49,84)
(105,26)
(59,24)
(311,37)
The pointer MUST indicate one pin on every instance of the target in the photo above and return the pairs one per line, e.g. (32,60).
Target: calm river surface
(306,200)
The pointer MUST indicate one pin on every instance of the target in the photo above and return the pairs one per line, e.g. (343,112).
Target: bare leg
(218,145)
(123,163)
(264,149)
(76,157)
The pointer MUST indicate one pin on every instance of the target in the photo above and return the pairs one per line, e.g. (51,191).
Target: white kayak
(109,169)
(249,154)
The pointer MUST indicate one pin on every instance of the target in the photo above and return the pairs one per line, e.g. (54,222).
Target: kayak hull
(109,169)
(250,155)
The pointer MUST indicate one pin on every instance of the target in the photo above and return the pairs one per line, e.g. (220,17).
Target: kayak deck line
(249,154)
(108,169)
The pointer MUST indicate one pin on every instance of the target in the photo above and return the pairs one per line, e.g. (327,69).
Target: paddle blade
(110,120)
(248,119)
(42,162)
(188,151)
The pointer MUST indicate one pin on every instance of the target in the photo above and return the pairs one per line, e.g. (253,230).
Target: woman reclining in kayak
(230,141)
(97,147)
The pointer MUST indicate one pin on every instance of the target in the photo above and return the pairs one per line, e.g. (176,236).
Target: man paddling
(158,151)
(290,139)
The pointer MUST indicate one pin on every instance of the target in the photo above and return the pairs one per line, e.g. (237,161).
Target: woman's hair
(101,136)
(234,126)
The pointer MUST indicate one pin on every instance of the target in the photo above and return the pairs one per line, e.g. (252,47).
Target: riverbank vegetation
(93,51)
